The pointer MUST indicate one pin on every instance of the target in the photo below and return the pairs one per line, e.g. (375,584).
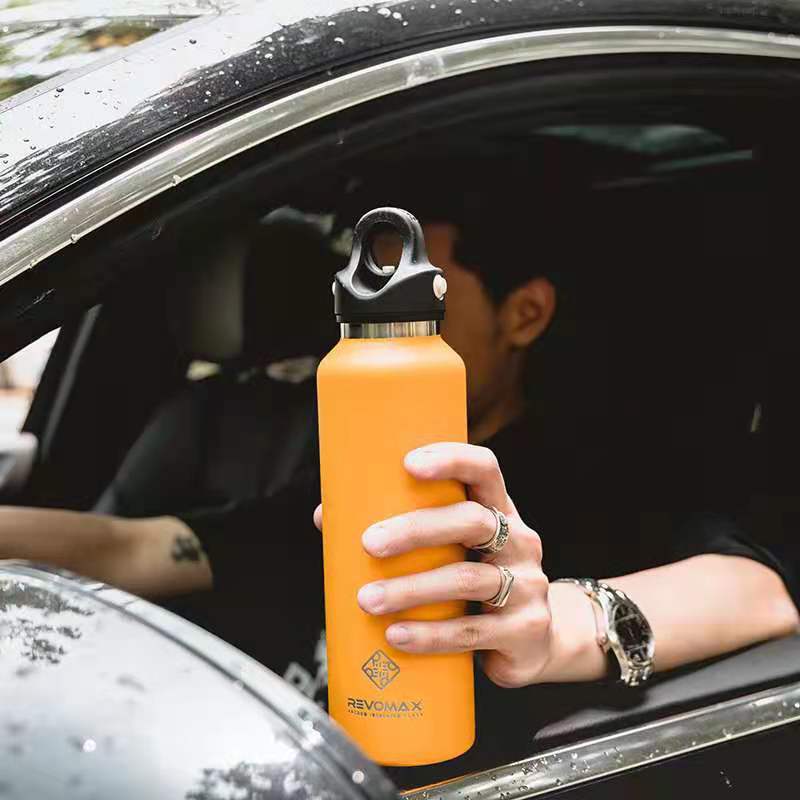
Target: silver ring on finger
(506,582)
(499,537)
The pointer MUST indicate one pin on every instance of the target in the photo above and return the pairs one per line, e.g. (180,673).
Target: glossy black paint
(65,130)
(103,695)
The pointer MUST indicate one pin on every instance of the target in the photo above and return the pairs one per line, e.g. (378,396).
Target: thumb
(318,517)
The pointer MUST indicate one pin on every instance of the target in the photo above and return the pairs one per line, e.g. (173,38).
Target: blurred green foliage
(33,49)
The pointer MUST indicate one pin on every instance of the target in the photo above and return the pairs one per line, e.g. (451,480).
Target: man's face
(472,321)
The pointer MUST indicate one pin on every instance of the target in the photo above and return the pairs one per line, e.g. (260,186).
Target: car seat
(252,310)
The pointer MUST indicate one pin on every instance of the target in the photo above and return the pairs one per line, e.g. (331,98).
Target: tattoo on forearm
(187,548)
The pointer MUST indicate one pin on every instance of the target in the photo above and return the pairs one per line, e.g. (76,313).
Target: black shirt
(603,508)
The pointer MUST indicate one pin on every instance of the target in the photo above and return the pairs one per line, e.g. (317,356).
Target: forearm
(153,557)
(698,608)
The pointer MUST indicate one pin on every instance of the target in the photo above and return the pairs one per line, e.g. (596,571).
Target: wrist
(575,654)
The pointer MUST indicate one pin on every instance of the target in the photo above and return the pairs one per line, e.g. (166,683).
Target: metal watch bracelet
(623,632)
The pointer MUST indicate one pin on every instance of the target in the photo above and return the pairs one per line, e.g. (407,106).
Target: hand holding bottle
(542,633)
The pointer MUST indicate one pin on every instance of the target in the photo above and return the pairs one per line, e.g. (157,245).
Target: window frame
(124,190)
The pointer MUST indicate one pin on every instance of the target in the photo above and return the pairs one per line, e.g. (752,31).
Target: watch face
(633,633)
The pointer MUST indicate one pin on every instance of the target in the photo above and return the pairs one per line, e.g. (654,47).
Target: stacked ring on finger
(504,592)
(500,536)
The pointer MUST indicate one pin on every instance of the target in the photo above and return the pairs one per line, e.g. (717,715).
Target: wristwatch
(623,631)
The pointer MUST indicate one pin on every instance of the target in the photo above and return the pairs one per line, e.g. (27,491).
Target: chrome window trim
(166,168)
(640,746)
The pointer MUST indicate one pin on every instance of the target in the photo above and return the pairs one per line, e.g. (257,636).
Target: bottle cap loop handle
(364,292)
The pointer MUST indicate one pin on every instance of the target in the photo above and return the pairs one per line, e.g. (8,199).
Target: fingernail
(375,540)
(417,459)
(370,597)
(398,634)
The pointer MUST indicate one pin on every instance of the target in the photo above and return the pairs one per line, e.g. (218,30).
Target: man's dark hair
(510,226)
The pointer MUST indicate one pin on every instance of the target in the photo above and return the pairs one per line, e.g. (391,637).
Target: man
(585,502)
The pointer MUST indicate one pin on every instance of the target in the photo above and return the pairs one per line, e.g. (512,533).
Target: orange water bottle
(390,385)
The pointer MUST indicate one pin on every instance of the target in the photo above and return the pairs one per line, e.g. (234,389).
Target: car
(138,190)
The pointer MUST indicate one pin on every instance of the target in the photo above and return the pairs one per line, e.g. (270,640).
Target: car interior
(190,328)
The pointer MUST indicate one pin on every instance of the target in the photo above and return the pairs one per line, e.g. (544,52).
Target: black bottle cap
(412,292)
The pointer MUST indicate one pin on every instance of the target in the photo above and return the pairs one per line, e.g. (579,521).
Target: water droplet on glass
(26,140)
(89,746)
(458,11)
(331,23)
(362,9)
(797,705)
(358,777)
(73,237)
(384,12)
(281,38)
(192,41)
(176,179)
(396,15)
(60,89)
(87,91)
(694,742)
(338,40)
(208,93)
(726,733)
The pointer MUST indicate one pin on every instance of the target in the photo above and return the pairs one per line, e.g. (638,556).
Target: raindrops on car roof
(384,12)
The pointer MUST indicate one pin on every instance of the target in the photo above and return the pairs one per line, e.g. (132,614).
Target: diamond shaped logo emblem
(380,669)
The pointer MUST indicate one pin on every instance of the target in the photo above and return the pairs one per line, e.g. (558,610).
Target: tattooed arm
(152,557)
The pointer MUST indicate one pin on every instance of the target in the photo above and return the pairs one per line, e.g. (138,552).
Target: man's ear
(527,311)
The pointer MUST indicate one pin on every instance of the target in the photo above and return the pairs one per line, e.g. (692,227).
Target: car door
(206,102)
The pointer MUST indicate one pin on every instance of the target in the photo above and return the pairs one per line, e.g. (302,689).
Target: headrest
(206,305)
(259,294)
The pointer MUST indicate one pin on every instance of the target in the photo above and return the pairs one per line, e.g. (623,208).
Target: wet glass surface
(40,39)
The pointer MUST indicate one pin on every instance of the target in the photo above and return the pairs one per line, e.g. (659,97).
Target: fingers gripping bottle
(390,385)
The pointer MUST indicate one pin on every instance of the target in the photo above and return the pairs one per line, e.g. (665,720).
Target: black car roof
(68,128)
